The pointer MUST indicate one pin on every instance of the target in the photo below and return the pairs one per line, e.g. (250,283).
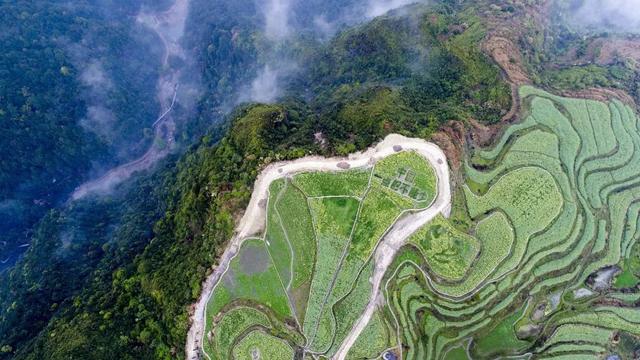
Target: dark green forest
(56,85)
(114,276)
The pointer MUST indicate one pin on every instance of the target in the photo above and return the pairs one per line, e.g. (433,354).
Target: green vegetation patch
(291,211)
(321,230)
(501,339)
(496,238)
(448,251)
(529,196)
(277,239)
(341,183)
(334,215)
(233,324)
(630,275)
(348,309)
(251,276)
(373,341)
(379,211)
(408,174)
(259,345)
(553,203)
(333,220)
(457,353)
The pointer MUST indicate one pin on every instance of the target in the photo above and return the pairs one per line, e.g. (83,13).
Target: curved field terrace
(554,207)
(358,258)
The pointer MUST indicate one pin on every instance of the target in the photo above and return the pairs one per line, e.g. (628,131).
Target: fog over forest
(133,131)
(607,15)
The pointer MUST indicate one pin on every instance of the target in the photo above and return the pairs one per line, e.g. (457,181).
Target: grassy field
(252,276)
(252,279)
(500,340)
(259,345)
(233,324)
(409,175)
(375,339)
(346,183)
(333,229)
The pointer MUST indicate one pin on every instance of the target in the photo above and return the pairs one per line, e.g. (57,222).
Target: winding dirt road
(254,220)
(395,238)
(169,26)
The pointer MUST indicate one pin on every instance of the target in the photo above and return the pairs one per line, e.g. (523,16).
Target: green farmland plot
(260,345)
(449,252)
(346,183)
(233,324)
(312,267)
(409,175)
(373,341)
(500,339)
(252,278)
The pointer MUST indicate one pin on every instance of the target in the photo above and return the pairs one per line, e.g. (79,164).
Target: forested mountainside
(138,256)
(68,107)
(117,273)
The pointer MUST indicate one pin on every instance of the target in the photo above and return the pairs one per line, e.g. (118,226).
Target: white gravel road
(254,220)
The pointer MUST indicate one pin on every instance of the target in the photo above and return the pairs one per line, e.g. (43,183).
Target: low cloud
(97,86)
(99,119)
(380,7)
(277,16)
(608,15)
(280,25)
(323,27)
(264,87)
(94,76)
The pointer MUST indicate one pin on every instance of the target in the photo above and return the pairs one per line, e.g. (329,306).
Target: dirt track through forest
(169,27)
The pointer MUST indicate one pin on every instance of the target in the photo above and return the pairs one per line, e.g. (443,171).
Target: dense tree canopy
(117,274)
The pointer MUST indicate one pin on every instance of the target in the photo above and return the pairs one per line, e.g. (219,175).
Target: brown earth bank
(601,94)
(508,24)
(611,50)
(507,32)
(507,55)
(451,139)
(604,50)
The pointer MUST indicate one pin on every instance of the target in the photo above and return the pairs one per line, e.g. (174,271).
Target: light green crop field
(373,341)
(449,252)
(259,345)
(555,202)
(541,261)
(233,324)
(408,175)
(314,260)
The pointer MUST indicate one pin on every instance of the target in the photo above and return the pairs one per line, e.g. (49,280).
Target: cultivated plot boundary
(255,218)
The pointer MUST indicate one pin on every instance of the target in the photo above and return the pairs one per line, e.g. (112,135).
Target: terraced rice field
(549,268)
(556,205)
